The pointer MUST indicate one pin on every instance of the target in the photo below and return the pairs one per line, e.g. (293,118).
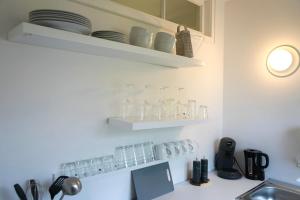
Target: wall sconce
(283,61)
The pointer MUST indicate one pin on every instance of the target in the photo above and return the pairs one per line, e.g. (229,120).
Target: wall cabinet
(195,14)
(198,15)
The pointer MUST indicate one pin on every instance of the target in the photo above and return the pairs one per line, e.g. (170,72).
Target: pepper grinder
(196,179)
(204,170)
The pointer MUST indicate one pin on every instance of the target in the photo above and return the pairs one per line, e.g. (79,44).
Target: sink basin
(272,190)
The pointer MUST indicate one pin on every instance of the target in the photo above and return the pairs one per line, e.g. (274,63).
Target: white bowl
(140,37)
(164,42)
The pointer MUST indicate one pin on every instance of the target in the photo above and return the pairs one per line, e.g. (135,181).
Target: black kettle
(254,167)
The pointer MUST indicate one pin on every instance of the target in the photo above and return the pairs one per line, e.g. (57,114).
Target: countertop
(216,189)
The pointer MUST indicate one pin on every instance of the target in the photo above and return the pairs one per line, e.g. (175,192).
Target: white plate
(56,12)
(108,32)
(59,16)
(108,36)
(62,25)
(58,19)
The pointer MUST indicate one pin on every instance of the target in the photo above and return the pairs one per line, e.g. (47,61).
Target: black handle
(20,192)
(34,190)
(267,160)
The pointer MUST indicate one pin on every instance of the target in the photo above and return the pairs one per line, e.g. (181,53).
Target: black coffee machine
(254,168)
(225,160)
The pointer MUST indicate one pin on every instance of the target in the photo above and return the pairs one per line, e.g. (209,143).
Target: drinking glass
(119,158)
(163,102)
(202,112)
(148,150)
(130,158)
(68,169)
(157,110)
(148,111)
(182,110)
(81,168)
(108,165)
(170,109)
(181,106)
(181,95)
(128,103)
(192,109)
(97,165)
(140,154)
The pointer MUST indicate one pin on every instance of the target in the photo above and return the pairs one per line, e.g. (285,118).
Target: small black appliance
(196,179)
(254,167)
(200,169)
(204,170)
(225,160)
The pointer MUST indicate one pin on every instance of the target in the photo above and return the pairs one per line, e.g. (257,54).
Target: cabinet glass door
(152,7)
(185,13)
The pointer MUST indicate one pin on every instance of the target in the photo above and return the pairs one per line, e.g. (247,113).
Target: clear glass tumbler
(108,163)
(130,158)
(119,158)
(192,109)
(139,154)
(148,150)
(97,164)
(202,112)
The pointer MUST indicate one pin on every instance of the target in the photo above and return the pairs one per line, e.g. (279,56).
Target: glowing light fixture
(283,61)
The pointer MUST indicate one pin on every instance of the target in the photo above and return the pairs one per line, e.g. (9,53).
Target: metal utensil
(56,186)
(71,186)
(20,192)
(34,189)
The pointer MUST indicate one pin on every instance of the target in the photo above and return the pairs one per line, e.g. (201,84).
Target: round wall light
(283,61)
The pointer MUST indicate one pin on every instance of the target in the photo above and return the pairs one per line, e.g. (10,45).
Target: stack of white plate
(110,35)
(63,20)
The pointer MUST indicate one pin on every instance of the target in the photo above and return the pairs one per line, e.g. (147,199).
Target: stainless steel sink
(272,190)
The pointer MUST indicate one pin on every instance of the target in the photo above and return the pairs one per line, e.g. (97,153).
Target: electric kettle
(254,167)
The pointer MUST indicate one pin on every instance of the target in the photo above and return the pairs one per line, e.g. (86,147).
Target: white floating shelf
(58,39)
(143,125)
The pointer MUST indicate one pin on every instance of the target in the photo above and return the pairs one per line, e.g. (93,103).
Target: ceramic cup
(164,42)
(141,37)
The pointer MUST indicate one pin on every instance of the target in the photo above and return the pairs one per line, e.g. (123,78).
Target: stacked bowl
(62,20)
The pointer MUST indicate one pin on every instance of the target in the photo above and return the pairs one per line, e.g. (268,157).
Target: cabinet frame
(124,11)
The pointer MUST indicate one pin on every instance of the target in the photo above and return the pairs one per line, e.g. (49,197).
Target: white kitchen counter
(216,189)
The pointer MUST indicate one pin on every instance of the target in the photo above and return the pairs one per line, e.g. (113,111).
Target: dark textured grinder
(204,171)
(196,180)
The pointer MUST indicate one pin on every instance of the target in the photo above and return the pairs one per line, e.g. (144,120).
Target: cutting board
(151,182)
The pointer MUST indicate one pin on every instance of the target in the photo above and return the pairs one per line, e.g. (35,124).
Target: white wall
(260,110)
(53,104)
